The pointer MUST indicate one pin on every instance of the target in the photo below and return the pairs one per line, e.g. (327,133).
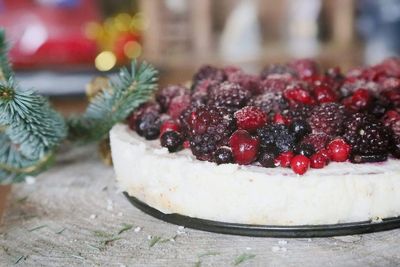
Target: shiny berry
(171,140)
(360,100)
(298,95)
(169,125)
(244,147)
(339,150)
(300,164)
(318,160)
(324,94)
(250,118)
(284,159)
(267,159)
(148,125)
(223,155)
(280,119)
(299,128)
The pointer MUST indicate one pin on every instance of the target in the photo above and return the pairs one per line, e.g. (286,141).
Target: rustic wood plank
(4,193)
(64,218)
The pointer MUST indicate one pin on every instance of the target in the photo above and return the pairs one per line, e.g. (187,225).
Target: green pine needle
(113,105)
(5,66)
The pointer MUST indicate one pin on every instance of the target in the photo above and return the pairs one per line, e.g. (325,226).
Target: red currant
(339,150)
(284,159)
(300,164)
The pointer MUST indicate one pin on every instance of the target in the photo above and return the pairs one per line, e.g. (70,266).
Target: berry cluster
(292,115)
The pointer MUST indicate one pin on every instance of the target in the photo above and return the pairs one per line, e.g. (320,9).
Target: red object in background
(49,33)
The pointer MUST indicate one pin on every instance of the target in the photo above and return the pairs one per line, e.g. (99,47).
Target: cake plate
(301,231)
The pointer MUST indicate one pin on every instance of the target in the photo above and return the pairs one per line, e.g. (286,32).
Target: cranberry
(300,164)
(324,94)
(244,147)
(298,95)
(318,160)
(284,159)
(250,118)
(169,125)
(360,100)
(339,150)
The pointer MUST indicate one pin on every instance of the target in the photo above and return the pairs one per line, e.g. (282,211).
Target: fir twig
(5,66)
(114,104)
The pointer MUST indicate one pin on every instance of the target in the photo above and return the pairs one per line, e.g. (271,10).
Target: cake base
(301,231)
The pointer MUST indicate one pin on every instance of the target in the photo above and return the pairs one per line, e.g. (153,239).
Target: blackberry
(207,128)
(208,72)
(229,95)
(148,125)
(367,136)
(305,149)
(223,155)
(171,140)
(249,82)
(299,112)
(395,146)
(277,135)
(327,118)
(273,85)
(166,94)
(299,128)
(270,102)
(318,141)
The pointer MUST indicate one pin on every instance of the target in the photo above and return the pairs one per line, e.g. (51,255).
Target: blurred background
(58,46)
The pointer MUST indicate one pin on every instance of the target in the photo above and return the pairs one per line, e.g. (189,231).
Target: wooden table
(72,216)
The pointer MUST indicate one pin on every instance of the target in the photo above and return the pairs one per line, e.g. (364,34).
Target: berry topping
(299,112)
(169,125)
(276,135)
(267,159)
(360,100)
(304,67)
(305,150)
(171,140)
(280,119)
(177,105)
(339,150)
(327,119)
(318,160)
(324,94)
(244,147)
(299,128)
(250,118)
(366,135)
(209,73)
(223,155)
(300,164)
(166,94)
(298,95)
(284,159)
(148,125)
(229,95)
(318,141)
(269,102)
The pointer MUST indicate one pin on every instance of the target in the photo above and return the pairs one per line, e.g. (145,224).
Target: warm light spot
(93,30)
(122,22)
(132,49)
(140,22)
(105,61)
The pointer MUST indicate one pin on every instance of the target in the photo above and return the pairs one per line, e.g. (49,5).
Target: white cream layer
(178,183)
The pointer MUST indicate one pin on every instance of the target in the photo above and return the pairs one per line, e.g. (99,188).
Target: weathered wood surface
(64,218)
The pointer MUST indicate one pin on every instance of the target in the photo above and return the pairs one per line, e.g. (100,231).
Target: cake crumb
(30,180)
(120,214)
(180,230)
(278,248)
(149,237)
(282,242)
(109,204)
(137,229)
(248,248)
(93,216)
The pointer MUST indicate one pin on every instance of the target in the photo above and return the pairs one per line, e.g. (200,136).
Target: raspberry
(208,72)
(273,85)
(244,147)
(360,100)
(207,128)
(250,118)
(299,128)
(177,105)
(269,102)
(327,118)
(249,82)
(318,160)
(300,164)
(276,135)
(324,94)
(304,67)
(298,95)
(223,155)
(229,95)
(169,125)
(318,141)
(148,125)
(366,135)
(166,94)
(171,140)
(391,119)
(284,159)
(305,150)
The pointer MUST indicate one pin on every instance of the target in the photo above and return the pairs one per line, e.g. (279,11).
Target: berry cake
(294,145)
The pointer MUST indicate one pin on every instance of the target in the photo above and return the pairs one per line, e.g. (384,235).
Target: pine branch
(5,66)
(114,104)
